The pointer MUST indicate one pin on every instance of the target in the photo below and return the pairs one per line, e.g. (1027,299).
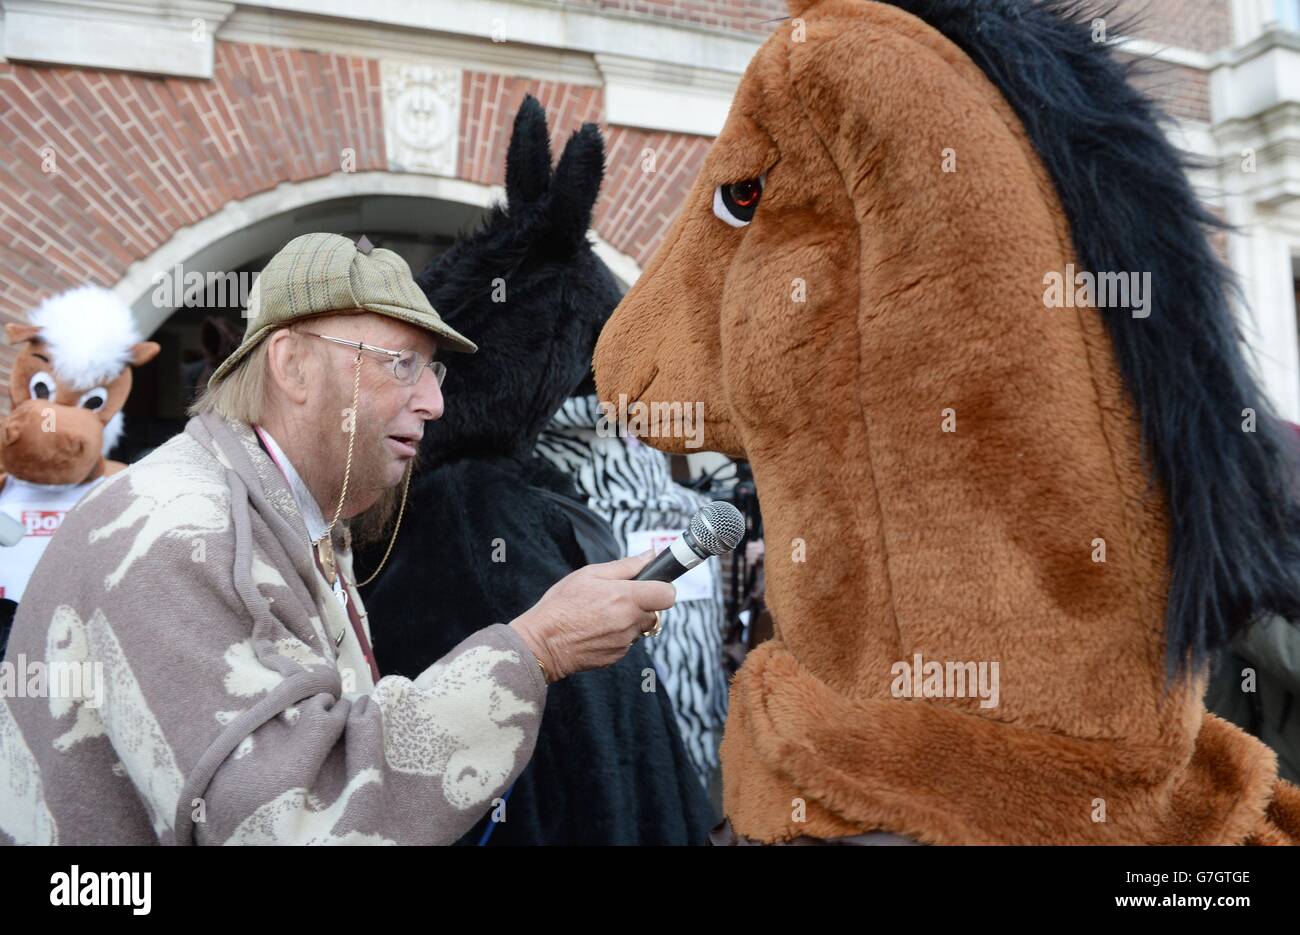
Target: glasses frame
(438,368)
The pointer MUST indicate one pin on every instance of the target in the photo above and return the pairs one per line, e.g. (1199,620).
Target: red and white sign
(42,522)
(40,510)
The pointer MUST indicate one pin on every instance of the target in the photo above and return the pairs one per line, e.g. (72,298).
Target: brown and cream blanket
(173,678)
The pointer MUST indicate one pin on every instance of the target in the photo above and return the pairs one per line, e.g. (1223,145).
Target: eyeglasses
(406,366)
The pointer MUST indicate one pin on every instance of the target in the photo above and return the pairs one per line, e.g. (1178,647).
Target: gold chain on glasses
(352,437)
(347,473)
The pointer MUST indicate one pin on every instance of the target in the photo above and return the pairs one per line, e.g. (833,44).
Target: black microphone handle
(663,567)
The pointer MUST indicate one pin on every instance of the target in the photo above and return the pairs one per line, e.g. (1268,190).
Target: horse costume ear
(16,333)
(577,183)
(528,160)
(144,352)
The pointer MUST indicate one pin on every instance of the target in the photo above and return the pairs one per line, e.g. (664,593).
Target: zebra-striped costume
(629,484)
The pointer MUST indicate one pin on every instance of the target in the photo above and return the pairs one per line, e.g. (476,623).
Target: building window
(1288,13)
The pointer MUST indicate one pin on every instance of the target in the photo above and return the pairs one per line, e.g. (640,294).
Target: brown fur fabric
(924,293)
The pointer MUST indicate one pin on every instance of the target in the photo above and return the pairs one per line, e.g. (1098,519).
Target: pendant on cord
(325,554)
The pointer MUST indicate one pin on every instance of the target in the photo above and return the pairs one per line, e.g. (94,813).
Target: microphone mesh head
(719,527)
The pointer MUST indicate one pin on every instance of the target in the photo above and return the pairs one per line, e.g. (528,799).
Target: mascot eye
(736,202)
(93,399)
(41,386)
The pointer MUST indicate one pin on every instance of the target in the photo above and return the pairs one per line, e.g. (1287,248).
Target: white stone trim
(263,222)
(1256,77)
(656,74)
(672,98)
(624,268)
(162,37)
(1174,55)
(365,39)
(1253,18)
(541,23)
(1263,256)
(1250,18)
(1255,107)
(1255,103)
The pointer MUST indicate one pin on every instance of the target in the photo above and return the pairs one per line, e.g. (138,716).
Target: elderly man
(205,654)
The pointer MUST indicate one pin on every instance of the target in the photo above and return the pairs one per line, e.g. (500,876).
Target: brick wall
(136,158)
(488,106)
(1202,25)
(1181,91)
(641,197)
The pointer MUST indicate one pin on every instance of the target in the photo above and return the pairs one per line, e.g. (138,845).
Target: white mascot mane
(89,332)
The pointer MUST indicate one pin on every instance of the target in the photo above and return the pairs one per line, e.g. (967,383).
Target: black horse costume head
(532,291)
(491,525)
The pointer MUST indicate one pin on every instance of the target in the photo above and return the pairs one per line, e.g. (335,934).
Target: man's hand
(591,617)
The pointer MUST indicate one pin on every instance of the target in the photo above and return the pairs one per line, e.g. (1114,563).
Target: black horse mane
(1234,550)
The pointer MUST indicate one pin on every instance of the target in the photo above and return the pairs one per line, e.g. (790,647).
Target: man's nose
(427,400)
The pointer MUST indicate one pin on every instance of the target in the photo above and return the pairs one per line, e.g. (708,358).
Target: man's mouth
(404,446)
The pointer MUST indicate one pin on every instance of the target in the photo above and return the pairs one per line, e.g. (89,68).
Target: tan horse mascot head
(943,282)
(68,385)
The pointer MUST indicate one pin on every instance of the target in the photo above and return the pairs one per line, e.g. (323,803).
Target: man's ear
(288,365)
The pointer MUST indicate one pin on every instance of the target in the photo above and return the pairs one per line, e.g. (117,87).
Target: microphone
(715,529)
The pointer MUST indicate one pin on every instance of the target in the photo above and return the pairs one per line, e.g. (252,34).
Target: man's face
(390,415)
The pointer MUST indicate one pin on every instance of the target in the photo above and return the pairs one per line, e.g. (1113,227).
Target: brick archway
(421,206)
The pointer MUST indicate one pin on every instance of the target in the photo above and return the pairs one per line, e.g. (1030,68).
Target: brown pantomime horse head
(943,282)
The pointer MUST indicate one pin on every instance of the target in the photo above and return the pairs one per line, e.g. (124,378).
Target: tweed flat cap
(318,273)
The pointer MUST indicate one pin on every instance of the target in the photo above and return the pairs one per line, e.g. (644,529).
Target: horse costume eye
(93,399)
(736,202)
(41,386)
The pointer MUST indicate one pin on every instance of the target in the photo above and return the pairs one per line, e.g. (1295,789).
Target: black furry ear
(577,183)
(528,160)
